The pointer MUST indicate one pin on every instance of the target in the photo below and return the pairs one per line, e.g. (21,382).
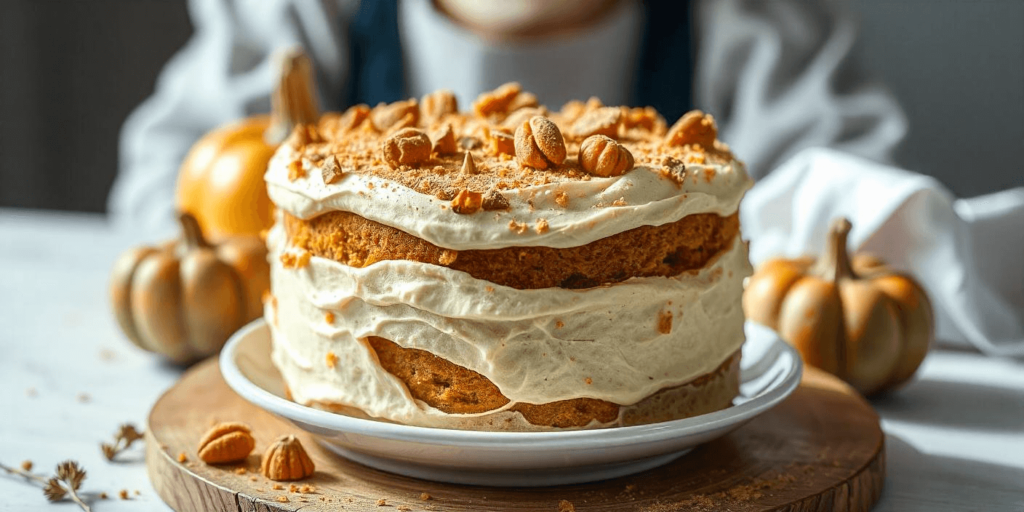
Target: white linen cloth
(967,253)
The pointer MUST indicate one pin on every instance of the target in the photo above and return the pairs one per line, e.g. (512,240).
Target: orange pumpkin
(860,321)
(184,298)
(221,180)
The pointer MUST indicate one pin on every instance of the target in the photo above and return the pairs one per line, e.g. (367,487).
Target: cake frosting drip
(537,346)
(593,209)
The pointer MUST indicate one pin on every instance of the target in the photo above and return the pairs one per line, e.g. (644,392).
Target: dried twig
(65,482)
(125,436)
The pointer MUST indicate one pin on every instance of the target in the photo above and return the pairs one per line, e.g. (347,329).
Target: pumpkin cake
(509,267)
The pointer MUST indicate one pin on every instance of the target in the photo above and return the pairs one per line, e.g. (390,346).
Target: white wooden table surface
(69,378)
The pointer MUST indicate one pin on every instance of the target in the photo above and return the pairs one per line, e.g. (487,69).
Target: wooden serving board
(821,449)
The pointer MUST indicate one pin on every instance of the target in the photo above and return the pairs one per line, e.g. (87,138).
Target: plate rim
(592,438)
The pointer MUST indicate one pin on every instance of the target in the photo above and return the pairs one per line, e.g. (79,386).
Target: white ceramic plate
(770,372)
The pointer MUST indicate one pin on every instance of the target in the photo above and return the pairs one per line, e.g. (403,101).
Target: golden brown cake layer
(667,250)
(456,390)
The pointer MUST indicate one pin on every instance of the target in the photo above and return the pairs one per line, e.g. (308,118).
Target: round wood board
(821,449)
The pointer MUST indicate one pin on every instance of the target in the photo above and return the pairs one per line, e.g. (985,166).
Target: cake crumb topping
(516,227)
(562,199)
(444,141)
(330,170)
(390,141)
(541,227)
(293,261)
(467,202)
(296,170)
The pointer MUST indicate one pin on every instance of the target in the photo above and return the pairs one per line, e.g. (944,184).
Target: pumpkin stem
(192,234)
(834,264)
(294,100)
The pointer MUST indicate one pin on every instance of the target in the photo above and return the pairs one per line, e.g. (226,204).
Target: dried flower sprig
(65,482)
(125,436)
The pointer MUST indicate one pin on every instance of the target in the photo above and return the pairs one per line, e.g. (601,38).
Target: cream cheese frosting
(596,208)
(536,346)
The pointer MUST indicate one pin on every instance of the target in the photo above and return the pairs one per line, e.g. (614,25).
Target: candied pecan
(391,116)
(539,143)
(226,442)
(496,101)
(520,116)
(602,156)
(601,121)
(572,110)
(436,105)
(522,100)
(500,142)
(695,127)
(444,143)
(353,117)
(645,118)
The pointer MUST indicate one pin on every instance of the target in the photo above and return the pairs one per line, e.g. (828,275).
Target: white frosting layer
(536,346)
(648,198)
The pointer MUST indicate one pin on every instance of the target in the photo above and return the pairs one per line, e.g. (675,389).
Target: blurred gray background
(71,70)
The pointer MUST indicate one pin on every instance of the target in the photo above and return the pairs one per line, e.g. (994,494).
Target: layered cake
(507,267)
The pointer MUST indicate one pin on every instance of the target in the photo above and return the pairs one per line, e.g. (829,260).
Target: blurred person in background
(779,76)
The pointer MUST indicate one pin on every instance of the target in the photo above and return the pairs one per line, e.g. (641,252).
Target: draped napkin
(967,253)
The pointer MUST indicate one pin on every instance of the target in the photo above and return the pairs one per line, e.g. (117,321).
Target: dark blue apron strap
(376,54)
(665,66)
